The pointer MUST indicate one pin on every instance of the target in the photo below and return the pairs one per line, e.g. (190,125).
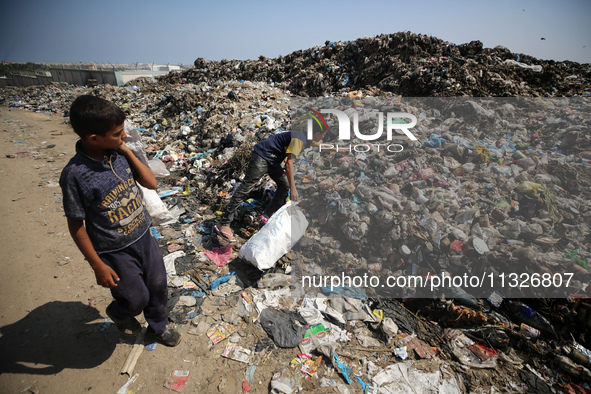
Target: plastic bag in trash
(287,329)
(283,230)
(156,208)
(158,167)
(134,142)
(528,188)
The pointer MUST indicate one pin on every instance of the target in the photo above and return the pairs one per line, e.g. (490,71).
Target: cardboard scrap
(133,385)
(421,348)
(314,336)
(236,352)
(220,332)
(482,352)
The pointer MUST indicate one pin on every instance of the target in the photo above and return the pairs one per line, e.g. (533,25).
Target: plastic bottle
(581,273)
(514,242)
(420,198)
(571,368)
(528,331)
(530,317)
(419,184)
(578,357)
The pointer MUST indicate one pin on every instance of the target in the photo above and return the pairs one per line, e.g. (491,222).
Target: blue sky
(179,31)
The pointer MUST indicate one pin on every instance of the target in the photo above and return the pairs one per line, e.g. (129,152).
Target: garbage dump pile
(487,188)
(509,188)
(407,64)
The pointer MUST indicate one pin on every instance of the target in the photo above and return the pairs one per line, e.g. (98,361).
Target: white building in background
(88,74)
(164,67)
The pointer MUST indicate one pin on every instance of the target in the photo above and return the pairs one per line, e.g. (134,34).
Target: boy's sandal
(228,236)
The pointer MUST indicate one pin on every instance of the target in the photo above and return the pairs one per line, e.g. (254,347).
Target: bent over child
(266,158)
(109,223)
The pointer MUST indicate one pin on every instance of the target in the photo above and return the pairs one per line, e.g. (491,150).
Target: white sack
(283,230)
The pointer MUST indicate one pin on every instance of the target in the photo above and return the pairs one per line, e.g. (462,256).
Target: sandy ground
(54,336)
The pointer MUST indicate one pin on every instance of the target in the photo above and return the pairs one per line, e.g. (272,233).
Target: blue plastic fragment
(191,315)
(342,368)
(352,292)
(222,279)
(251,205)
(206,228)
(154,233)
(249,373)
(363,384)
(195,293)
(106,324)
(434,142)
(170,192)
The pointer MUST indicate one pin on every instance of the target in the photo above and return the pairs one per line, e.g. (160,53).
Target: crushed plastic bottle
(527,315)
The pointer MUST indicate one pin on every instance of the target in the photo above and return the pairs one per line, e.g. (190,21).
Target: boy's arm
(294,195)
(146,177)
(105,276)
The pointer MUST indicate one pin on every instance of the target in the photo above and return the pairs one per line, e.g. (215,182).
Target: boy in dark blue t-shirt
(109,223)
(267,157)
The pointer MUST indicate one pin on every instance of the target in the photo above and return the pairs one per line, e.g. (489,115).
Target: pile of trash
(490,188)
(407,64)
(475,201)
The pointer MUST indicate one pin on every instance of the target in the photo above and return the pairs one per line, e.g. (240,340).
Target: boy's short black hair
(94,115)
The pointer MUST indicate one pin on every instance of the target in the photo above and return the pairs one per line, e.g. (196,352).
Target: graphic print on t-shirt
(124,206)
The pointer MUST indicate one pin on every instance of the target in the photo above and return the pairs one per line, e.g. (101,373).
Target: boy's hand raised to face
(123,148)
(106,277)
